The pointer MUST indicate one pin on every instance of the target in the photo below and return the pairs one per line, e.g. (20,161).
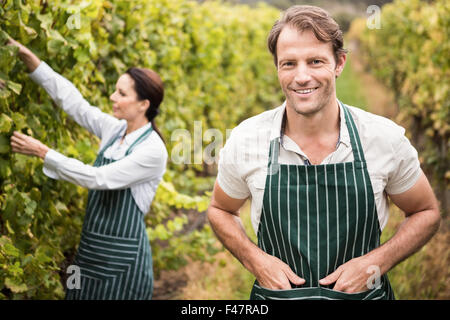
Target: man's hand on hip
(272,273)
(351,277)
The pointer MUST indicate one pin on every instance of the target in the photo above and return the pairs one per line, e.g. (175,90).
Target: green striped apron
(317,217)
(114,254)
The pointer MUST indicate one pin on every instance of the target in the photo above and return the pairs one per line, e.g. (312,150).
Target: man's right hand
(274,274)
(223,215)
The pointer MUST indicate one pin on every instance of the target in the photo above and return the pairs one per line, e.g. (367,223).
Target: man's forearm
(230,231)
(412,234)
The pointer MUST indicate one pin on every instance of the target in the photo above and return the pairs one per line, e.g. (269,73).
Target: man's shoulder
(375,126)
(252,136)
(264,121)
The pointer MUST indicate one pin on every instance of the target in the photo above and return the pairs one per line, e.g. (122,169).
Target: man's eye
(316,61)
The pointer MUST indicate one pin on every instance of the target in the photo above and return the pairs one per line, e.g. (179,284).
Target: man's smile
(305,92)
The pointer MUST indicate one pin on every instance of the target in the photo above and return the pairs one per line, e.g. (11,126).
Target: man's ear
(340,64)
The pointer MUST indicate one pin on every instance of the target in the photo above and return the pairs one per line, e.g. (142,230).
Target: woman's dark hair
(148,86)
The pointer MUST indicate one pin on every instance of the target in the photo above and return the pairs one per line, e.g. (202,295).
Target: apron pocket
(261,293)
(108,261)
(109,251)
(314,293)
(371,294)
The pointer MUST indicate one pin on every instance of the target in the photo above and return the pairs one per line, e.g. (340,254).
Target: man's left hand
(351,277)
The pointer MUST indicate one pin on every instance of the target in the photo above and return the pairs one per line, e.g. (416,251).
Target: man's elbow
(213,212)
(210,213)
(436,218)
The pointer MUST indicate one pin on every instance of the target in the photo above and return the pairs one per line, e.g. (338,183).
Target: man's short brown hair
(311,18)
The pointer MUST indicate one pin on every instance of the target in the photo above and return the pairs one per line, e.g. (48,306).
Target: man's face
(307,70)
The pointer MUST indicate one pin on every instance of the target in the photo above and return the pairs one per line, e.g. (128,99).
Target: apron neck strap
(358,153)
(355,142)
(110,143)
(274,152)
(139,140)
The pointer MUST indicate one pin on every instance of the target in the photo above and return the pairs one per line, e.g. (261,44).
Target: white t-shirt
(142,170)
(392,161)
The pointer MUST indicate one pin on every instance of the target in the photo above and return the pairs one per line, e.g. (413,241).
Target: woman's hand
(22,49)
(21,143)
(25,54)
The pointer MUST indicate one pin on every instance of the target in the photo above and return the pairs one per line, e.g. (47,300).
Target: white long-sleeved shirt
(141,170)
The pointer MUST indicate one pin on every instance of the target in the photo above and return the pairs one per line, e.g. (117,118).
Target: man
(319,173)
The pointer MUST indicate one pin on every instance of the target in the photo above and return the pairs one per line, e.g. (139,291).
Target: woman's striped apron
(114,255)
(317,217)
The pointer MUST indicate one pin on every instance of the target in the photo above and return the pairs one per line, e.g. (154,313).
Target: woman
(114,254)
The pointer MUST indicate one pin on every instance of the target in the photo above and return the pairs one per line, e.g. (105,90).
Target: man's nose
(302,74)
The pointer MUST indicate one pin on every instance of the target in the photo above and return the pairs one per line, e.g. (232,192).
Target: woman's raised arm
(141,165)
(25,54)
(66,95)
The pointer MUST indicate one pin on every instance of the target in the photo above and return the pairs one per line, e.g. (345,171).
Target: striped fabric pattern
(114,253)
(317,217)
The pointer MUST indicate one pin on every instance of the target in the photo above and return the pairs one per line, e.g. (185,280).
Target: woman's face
(125,100)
